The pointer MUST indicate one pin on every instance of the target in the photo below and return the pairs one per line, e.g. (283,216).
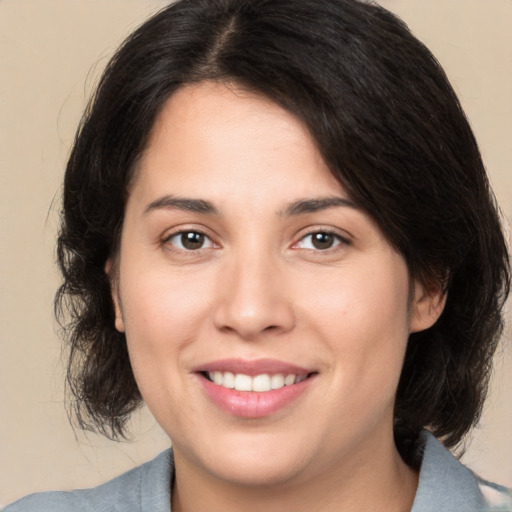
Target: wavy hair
(392,131)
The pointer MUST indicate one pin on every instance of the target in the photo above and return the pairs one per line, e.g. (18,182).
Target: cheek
(163,313)
(363,320)
(362,299)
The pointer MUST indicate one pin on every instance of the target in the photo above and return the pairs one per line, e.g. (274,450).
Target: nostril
(250,315)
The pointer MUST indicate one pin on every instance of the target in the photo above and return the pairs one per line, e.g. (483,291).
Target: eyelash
(168,240)
(338,240)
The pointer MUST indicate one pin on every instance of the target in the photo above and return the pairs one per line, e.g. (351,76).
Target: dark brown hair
(386,121)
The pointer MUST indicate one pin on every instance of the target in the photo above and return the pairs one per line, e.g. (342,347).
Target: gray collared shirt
(444,485)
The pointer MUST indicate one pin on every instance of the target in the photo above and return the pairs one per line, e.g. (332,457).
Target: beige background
(51,52)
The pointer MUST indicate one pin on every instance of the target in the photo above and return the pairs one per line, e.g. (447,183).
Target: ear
(426,306)
(114,290)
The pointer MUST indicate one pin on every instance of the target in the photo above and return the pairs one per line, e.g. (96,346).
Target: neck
(376,479)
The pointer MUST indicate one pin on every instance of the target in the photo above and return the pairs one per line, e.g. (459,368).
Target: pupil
(192,240)
(322,240)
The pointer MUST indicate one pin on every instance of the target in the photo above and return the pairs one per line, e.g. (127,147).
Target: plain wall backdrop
(51,53)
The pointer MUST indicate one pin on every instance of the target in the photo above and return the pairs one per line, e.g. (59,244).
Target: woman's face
(244,261)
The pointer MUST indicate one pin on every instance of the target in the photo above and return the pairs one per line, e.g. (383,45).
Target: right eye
(189,241)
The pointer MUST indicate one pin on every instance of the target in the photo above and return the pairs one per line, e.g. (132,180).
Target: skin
(259,288)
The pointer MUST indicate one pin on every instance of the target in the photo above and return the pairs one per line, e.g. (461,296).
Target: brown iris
(322,240)
(192,240)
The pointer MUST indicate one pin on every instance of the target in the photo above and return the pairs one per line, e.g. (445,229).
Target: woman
(277,231)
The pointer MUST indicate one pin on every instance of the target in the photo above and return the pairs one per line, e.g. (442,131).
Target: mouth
(260,383)
(254,389)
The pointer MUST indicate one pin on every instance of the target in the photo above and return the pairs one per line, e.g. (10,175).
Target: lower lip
(253,404)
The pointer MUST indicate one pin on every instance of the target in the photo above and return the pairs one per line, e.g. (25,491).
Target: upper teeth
(263,382)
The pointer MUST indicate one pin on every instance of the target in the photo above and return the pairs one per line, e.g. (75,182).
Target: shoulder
(496,497)
(446,484)
(146,487)
(43,502)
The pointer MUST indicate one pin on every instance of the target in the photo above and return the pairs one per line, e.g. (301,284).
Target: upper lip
(252,367)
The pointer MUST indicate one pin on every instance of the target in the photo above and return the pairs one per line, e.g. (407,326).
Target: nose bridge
(253,298)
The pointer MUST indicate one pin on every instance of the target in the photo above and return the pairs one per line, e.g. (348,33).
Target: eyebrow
(304,206)
(299,207)
(182,203)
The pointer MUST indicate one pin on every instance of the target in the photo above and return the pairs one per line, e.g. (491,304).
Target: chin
(251,469)
(253,459)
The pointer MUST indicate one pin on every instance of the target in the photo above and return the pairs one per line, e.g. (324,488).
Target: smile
(254,389)
(259,383)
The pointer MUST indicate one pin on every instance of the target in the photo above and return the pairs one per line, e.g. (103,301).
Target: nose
(253,300)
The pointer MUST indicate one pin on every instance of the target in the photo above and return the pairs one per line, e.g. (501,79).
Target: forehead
(223,136)
(201,113)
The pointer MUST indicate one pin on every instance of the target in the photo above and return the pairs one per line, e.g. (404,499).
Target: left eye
(190,241)
(319,241)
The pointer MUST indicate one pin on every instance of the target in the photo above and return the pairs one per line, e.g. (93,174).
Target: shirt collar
(444,483)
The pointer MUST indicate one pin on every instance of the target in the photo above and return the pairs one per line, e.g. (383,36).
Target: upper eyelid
(341,234)
(343,242)
(174,233)
(169,233)
(341,239)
